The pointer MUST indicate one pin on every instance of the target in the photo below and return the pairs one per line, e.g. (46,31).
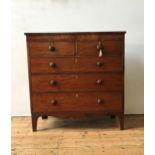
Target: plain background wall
(78,15)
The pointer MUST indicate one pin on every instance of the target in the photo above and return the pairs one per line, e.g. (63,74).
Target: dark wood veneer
(73,75)
(41,49)
(78,64)
(83,101)
(76,82)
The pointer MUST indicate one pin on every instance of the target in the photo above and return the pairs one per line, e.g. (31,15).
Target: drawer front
(75,82)
(58,65)
(108,47)
(48,49)
(56,102)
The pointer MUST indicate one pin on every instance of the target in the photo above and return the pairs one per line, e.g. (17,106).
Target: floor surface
(78,137)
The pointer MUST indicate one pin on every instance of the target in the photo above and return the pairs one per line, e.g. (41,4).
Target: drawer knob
(54,102)
(53,82)
(51,47)
(99,48)
(99,101)
(52,64)
(99,64)
(99,82)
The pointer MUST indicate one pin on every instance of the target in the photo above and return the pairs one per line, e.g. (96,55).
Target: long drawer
(82,64)
(98,101)
(74,82)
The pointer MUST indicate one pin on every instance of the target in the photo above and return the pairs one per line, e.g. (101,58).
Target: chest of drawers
(76,75)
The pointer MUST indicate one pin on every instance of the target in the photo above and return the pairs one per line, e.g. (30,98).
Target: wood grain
(40,49)
(83,136)
(77,82)
(74,65)
(76,102)
(84,62)
(110,47)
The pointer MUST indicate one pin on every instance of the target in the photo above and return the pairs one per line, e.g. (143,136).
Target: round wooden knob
(99,64)
(99,82)
(51,48)
(99,101)
(54,102)
(53,82)
(52,64)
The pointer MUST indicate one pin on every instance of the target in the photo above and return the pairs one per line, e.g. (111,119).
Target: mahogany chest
(76,75)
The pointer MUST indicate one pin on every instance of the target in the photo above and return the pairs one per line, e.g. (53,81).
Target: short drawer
(57,102)
(108,47)
(75,82)
(58,65)
(48,49)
